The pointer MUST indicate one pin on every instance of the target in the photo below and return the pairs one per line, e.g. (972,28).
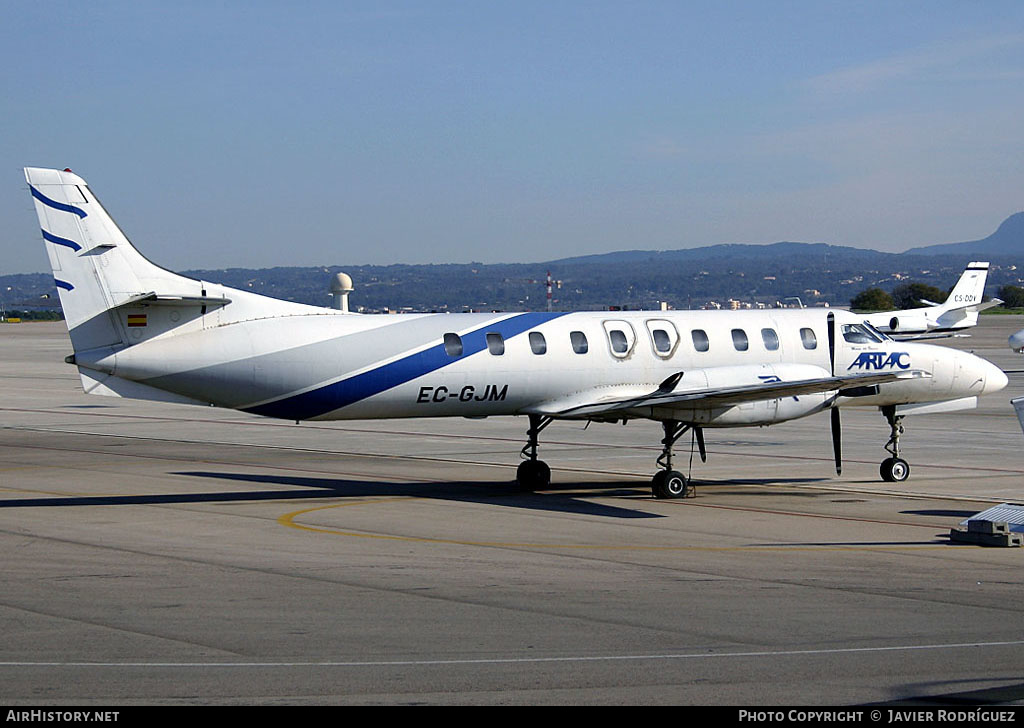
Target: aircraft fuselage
(324,366)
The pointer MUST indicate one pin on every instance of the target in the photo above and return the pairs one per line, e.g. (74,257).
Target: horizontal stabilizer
(973,307)
(165,299)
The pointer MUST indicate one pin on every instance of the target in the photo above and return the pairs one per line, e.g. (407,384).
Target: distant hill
(1006,241)
(817,273)
(733,251)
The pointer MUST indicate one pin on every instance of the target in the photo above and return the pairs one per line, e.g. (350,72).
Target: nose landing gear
(894,469)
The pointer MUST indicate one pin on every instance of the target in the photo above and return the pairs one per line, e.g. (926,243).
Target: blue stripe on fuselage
(56,205)
(348,391)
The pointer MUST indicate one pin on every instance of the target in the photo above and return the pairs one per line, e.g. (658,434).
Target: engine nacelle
(909,323)
(766,411)
(1017,342)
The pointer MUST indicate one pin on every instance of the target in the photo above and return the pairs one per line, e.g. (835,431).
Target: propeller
(837,440)
(699,432)
(837,428)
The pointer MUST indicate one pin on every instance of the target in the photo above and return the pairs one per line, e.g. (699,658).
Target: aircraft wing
(932,335)
(724,396)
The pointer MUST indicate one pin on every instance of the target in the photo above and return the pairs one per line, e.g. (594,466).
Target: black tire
(533,475)
(669,484)
(894,470)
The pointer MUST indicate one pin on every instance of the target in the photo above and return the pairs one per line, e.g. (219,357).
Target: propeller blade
(700,444)
(832,341)
(837,440)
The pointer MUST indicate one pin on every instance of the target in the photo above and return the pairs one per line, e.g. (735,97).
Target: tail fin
(102,280)
(970,289)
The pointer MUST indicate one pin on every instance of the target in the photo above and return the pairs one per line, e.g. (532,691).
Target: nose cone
(977,376)
(995,378)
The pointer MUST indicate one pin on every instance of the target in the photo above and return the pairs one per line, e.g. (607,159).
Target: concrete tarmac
(166,554)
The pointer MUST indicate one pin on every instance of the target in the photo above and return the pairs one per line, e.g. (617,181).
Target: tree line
(912,295)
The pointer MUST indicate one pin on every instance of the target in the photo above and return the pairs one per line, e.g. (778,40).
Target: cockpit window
(881,336)
(859,334)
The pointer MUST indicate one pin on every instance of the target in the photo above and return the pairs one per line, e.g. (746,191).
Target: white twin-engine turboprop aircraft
(140,331)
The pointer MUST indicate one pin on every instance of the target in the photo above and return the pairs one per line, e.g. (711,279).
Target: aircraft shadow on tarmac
(300,488)
(562,497)
(1010,694)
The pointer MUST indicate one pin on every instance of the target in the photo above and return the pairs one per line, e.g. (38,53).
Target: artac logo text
(878,360)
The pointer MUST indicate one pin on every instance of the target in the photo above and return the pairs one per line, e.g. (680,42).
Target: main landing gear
(894,469)
(669,483)
(534,474)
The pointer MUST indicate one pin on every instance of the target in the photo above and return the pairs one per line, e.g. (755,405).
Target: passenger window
(810,340)
(495,344)
(453,344)
(700,340)
(664,337)
(620,338)
(538,344)
(739,340)
(770,339)
(579,342)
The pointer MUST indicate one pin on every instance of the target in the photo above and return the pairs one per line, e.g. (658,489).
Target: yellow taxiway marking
(290,520)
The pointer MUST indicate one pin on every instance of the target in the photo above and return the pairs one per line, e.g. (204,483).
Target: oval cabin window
(538,344)
(453,344)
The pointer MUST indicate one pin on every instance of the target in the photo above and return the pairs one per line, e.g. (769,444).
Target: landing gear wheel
(533,475)
(669,484)
(894,470)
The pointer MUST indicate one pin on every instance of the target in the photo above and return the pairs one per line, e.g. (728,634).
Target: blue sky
(255,134)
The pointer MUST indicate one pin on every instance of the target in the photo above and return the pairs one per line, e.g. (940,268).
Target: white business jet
(140,331)
(939,320)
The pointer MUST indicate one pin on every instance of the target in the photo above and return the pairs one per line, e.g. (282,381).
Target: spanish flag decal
(136,319)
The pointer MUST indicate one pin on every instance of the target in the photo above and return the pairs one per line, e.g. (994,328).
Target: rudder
(970,288)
